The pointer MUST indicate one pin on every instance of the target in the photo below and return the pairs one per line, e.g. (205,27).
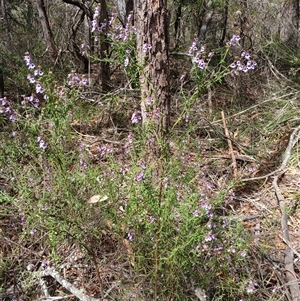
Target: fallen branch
(287,154)
(67,285)
(263,177)
(292,281)
(290,245)
(54,298)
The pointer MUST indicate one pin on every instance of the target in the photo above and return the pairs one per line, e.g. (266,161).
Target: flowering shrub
(122,42)
(172,223)
(245,64)
(199,56)
(6,110)
(201,59)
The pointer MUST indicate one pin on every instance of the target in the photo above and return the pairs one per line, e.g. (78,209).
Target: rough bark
(151,19)
(46,29)
(289,22)
(5,22)
(104,49)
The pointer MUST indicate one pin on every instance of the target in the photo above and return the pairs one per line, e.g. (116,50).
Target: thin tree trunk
(5,22)
(177,23)
(46,29)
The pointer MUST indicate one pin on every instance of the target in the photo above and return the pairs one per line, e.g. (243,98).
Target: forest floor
(255,145)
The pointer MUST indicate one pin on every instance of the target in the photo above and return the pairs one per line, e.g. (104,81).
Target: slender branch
(290,246)
(53,298)
(292,281)
(67,285)
(81,6)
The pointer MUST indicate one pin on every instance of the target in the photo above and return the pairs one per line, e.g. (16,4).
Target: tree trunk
(151,19)
(289,22)
(46,29)
(124,8)
(104,48)
(5,22)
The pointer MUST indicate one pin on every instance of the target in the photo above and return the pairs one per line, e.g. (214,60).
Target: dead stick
(292,280)
(67,285)
(235,171)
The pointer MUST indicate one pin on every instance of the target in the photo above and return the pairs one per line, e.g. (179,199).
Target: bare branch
(67,285)
(292,281)
(81,6)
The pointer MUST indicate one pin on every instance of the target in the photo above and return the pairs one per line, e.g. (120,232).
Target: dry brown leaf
(97,198)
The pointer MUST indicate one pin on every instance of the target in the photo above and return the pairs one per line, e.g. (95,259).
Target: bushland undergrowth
(75,176)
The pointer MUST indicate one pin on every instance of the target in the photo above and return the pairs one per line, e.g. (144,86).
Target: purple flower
(251,64)
(136,117)
(22,218)
(149,101)
(126,62)
(139,176)
(42,143)
(104,150)
(44,265)
(152,219)
(33,231)
(27,59)
(31,78)
(234,40)
(84,81)
(31,66)
(193,47)
(127,27)
(201,64)
(94,25)
(83,164)
(146,47)
(39,88)
(38,72)
(12,117)
(196,213)
(129,137)
(130,236)
(112,18)
(209,237)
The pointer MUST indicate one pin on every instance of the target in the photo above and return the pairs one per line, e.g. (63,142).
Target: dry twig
(67,285)
(292,281)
